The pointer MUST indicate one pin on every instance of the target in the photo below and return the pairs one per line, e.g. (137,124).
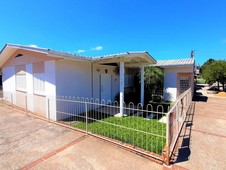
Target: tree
(216,71)
(153,81)
(198,67)
(203,67)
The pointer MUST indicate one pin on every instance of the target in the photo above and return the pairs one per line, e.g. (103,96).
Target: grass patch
(118,128)
(201,80)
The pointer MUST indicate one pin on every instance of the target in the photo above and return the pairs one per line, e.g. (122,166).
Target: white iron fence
(175,118)
(152,130)
(140,129)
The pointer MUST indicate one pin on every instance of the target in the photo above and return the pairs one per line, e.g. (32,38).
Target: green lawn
(201,80)
(119,128)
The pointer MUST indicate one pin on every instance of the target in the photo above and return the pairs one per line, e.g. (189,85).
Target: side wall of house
(8,84)
(104,69)
(73,79)
(171,82)
(25,68)
(50,89)
(80,80)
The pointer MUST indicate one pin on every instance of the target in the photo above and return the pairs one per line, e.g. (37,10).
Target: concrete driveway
(27,142)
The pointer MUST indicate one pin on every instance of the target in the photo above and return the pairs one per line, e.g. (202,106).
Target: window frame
(39,84)
(21,81)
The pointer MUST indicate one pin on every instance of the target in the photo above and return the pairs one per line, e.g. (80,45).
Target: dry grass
(221,94)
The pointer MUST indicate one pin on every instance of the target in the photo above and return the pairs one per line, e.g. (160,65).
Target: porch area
(128,66)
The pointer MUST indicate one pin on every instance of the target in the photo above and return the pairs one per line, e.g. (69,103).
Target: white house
(178,76)
(33,77)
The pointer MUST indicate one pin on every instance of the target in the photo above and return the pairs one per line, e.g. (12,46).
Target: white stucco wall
(50,89)
(170,81)
(8,83)
(170,85)
(29,77)
(81,79)
(73,79)
(23,99)
(27,98)
(97,71)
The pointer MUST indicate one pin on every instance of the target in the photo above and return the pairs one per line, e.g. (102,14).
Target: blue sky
(166,29)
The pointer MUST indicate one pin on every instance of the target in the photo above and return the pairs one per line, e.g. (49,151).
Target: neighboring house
(197,73)
(178,76)
(34,77)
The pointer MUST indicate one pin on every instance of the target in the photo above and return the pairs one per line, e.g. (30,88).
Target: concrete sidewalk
(203,139)
(27,142)
(30,143)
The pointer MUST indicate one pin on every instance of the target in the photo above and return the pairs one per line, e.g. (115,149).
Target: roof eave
(22,47)
(144,55)
(147,58)
(67,56)
(173,66)
(152,59)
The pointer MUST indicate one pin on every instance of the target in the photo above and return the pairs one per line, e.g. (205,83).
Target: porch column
(121,99)
(142,85)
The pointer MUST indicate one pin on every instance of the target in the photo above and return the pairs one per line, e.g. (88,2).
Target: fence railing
(147,130)
(140,129)
(175,118)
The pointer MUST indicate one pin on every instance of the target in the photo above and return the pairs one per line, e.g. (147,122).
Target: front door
(105,87)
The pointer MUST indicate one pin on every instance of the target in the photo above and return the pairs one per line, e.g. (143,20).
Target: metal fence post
(168,139)
(86,117)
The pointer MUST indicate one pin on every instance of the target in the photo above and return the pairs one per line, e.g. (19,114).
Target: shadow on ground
(184,139)
(199,97)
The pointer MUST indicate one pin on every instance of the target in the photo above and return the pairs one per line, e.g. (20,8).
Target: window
(184,84)
(39,78)
(129,80)
(21,83)
(39,83)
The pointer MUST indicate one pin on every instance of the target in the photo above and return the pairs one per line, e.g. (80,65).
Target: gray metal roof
(130,57)
(175,63)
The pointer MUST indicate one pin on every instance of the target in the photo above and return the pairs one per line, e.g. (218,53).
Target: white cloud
(80,51)
(97,48)
(33,45)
